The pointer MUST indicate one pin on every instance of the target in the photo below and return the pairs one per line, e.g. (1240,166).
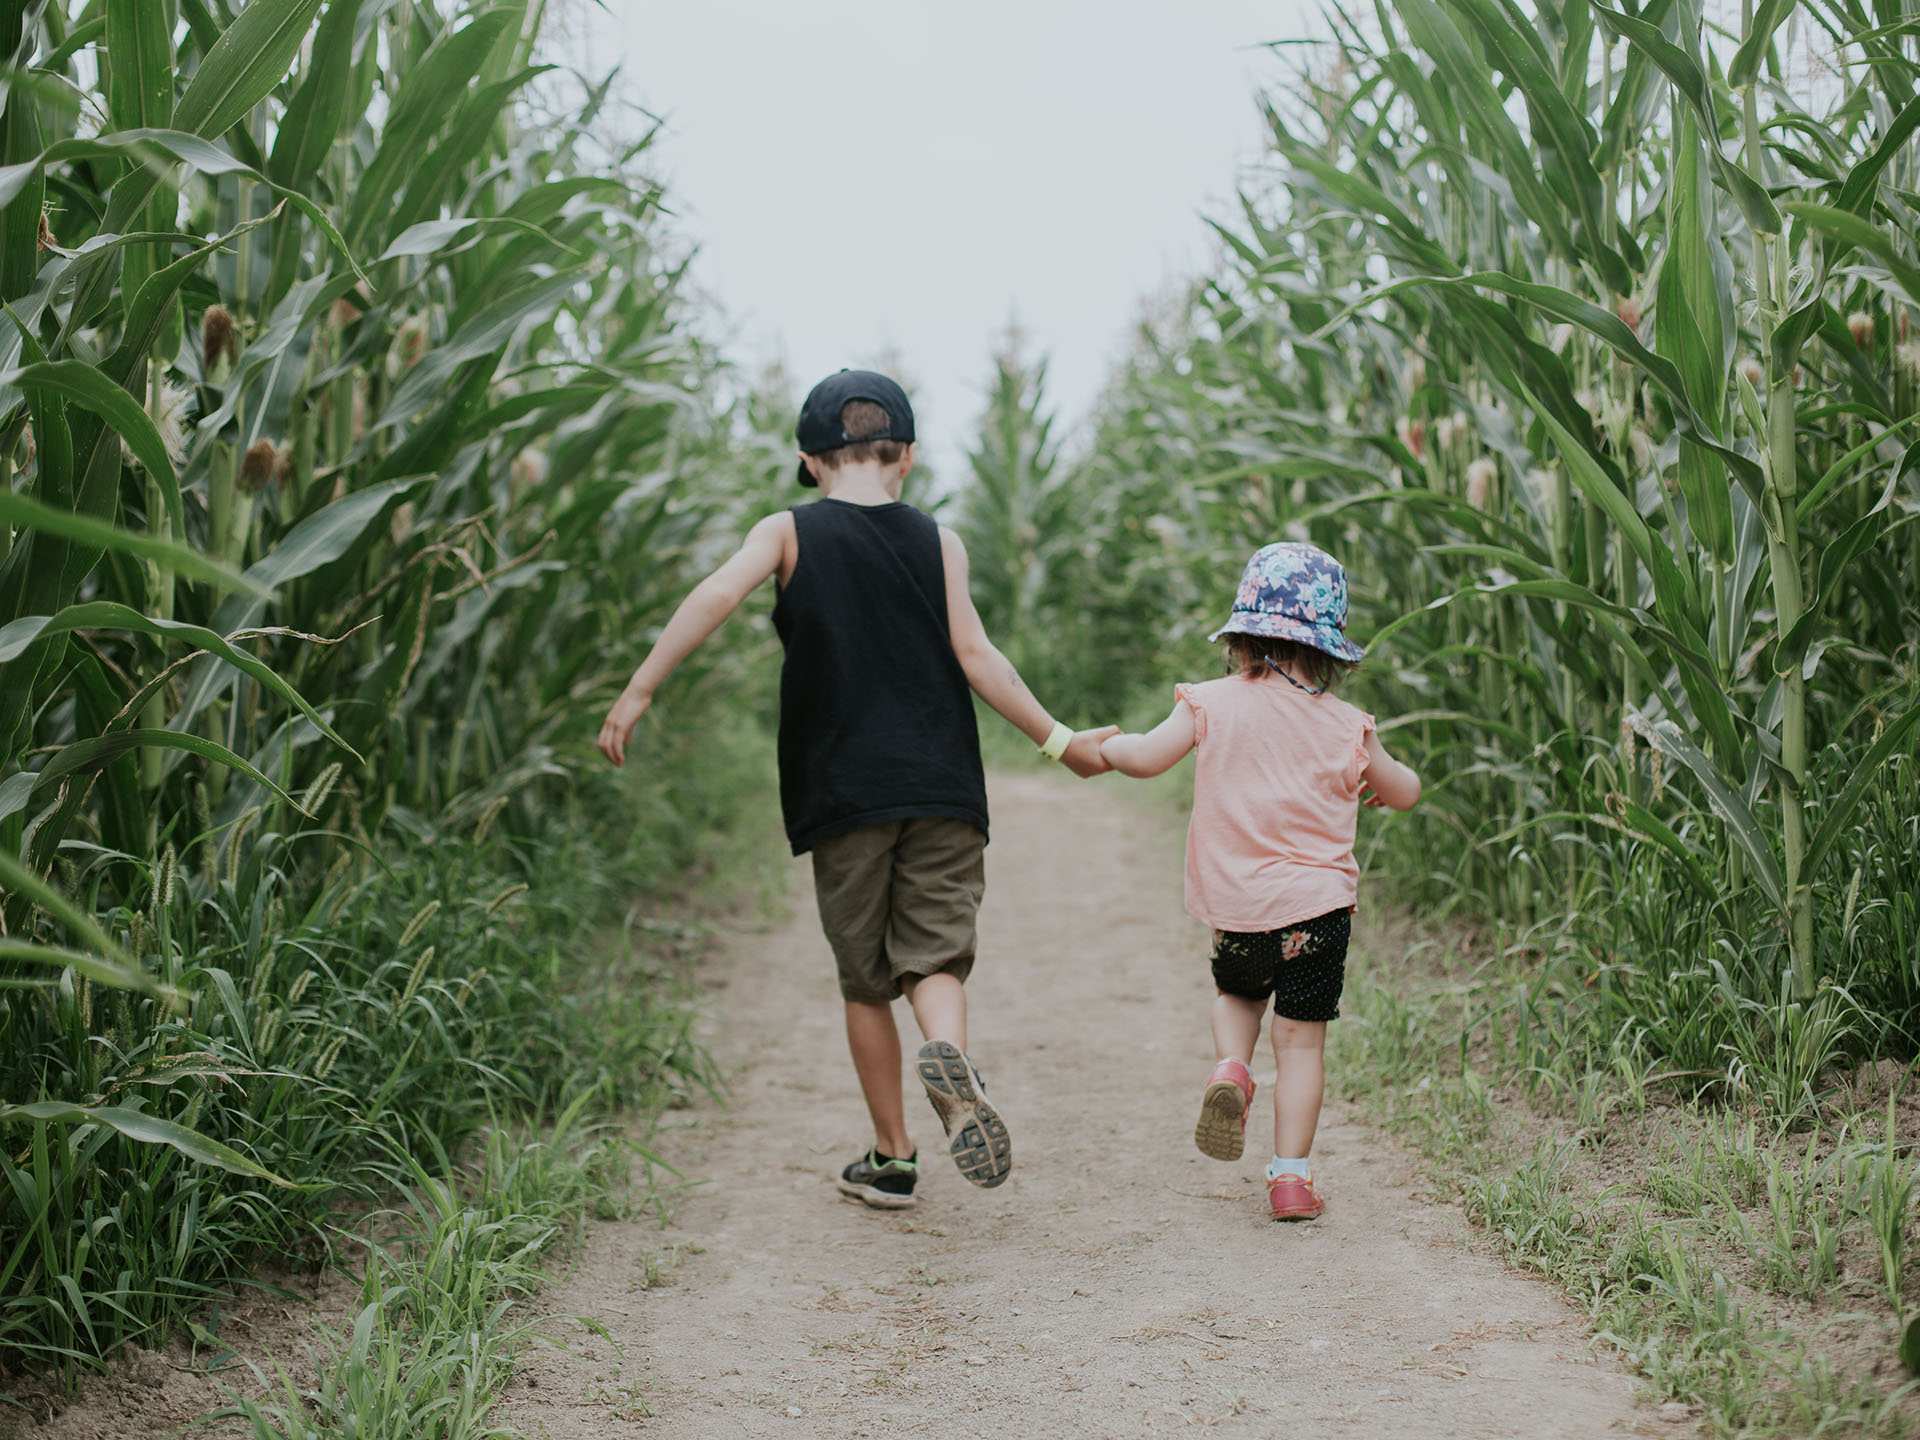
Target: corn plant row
(337,411)
(1586,336)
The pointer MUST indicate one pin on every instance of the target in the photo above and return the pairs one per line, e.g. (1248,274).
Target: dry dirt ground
(1119,1284)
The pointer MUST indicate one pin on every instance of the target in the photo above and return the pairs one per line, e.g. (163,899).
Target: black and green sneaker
(882,1181)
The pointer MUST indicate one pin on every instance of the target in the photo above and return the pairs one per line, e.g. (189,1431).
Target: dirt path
(1119,1284)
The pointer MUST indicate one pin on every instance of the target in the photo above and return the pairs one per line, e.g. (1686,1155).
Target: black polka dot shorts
(1303,967)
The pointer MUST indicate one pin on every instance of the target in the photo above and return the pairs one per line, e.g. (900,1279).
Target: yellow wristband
(1057,742)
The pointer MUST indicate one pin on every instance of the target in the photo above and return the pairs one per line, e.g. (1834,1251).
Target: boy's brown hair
(857,418)
(1254,654)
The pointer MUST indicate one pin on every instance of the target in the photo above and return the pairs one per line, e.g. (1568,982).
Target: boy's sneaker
(1222,1130)
(882,1181)
(976,1134)
(1292,1197)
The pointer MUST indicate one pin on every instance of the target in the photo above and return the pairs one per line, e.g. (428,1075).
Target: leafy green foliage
(1624,478)
(322,546)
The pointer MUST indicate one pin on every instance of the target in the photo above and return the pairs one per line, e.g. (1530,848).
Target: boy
(880,774)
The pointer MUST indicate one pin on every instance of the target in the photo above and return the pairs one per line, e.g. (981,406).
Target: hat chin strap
(1276,667)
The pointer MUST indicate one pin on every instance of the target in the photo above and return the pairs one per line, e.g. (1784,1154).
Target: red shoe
(1222,1130)
(1292,1197)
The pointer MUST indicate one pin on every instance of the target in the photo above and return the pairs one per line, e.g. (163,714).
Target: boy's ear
(906,460)
(812,462)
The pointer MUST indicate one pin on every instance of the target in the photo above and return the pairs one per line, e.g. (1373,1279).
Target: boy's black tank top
(876,716)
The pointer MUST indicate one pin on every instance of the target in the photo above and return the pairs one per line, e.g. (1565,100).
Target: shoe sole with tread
(1221,1132)
(977,1136)
(875,1198)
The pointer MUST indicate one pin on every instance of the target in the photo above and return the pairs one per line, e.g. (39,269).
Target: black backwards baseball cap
(819,427)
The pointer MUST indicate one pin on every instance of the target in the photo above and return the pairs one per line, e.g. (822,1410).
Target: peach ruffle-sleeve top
(1276,792)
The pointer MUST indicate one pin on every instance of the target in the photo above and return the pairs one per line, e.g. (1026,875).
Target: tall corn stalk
(1011,510)
(320,539)
(1486,333)
(1778,442)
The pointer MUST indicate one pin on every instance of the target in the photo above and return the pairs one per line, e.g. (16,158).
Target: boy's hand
(618,728)
(1083,756)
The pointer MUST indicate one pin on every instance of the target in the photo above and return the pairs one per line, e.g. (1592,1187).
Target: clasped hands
(1083,755)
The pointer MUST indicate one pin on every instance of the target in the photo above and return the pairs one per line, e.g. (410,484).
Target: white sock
(1281,1165)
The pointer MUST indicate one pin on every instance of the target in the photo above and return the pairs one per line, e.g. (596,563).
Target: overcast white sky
(901,177)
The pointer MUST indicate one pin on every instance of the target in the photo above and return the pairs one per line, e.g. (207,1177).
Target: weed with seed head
(1884,1180)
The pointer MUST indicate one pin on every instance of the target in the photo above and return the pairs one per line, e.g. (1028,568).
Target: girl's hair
(1252,655)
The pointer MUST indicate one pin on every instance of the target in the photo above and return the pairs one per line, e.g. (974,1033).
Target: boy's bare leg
(1299,1055)
(940,1005)
(874,1040)
(1236,1026)
(976,1135)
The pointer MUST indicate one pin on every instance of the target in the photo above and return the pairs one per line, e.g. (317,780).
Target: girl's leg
(1236,1026)
(1299,1055)
(1221,1132)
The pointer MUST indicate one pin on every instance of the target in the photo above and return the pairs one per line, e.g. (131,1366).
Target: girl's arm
(1157,751)
(704,611)
(1386,781)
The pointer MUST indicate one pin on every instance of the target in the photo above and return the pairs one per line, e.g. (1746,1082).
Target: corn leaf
(82,963)
(1855,232)
(309,127)
(314,115)
(152,150)
(139,95)
(1690,83)
(486,332)
(1723,797)
(430,95)
(1856,193)
(145,1129)
(1767,18)
(92,753)
(251,56)
(84,385)
(17,635)
(18,510)
(32,889)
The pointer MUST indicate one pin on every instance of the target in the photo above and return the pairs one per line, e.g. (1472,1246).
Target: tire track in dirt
(1119,1284)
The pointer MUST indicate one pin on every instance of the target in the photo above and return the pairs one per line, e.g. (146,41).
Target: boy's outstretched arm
(1157,751)
(992,675)
(1386,781)
(704,610)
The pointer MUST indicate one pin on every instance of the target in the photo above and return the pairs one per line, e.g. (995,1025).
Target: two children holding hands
(881,782)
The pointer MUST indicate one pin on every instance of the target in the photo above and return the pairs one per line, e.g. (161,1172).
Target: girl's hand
(1159,750)
(618,727)
(1368,798)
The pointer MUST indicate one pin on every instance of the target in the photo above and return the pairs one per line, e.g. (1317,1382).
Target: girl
(1283,766)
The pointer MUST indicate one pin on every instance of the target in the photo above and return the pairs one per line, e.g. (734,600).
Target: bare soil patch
(256,1336)
(1119,1284)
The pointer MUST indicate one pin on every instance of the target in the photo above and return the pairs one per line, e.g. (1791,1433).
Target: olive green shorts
(900,900)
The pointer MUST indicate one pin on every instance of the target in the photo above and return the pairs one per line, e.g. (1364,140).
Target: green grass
(473,982)
(440,1315)
(1749,1265)
(295,869)
(466,1237)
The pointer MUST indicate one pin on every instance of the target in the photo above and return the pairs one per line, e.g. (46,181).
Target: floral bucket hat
(1294,592)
